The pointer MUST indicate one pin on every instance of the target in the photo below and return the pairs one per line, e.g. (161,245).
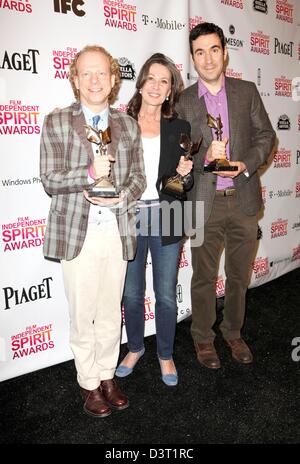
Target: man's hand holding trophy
(103,192)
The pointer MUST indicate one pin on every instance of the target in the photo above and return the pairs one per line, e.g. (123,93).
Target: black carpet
(249,404)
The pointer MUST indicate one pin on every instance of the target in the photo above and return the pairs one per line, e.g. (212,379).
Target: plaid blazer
(65,155)
(251,140)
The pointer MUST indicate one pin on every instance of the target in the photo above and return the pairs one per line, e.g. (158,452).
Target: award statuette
(176,185)
(221,164)
(104,186)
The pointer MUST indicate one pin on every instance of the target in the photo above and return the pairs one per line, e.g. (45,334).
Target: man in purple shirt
(231,199)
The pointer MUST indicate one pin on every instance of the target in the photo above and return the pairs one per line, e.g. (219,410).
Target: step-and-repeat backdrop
(38,41)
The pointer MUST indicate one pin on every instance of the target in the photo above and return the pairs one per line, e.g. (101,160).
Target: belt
(225,192)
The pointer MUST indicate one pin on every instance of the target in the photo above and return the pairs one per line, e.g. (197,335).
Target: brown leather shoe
(207,355)
(113,394)
(94,403)
(240,351)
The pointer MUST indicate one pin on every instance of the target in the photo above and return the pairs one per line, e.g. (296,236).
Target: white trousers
(94,283)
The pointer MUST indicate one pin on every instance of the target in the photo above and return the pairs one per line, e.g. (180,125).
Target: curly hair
(114,69)
(168,107)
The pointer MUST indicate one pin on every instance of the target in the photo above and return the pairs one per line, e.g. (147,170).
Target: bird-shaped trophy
(177,185)
(104,186)
(221,164)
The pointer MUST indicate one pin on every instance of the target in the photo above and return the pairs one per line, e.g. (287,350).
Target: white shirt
(99,216)
(151,148)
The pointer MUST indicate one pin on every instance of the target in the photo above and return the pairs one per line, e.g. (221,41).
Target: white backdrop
(38,40)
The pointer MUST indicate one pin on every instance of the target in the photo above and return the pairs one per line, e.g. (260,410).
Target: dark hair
(168,106)
(114,69)
(205,29)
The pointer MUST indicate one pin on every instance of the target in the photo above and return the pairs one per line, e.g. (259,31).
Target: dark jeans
(164,268)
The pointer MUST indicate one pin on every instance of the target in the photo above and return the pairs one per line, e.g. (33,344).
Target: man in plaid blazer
(92,236)
(231,199)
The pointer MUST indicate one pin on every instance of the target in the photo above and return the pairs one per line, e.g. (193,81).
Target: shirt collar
(202,89)
(88,114)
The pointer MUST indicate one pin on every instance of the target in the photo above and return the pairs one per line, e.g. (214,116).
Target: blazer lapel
(115,132)
(201,114)
(78,125)
(233,105)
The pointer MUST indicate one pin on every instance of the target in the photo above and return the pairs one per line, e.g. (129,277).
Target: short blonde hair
(114,69)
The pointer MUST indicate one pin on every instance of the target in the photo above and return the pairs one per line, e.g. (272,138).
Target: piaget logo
(285,48)
(19,61)
(14,297)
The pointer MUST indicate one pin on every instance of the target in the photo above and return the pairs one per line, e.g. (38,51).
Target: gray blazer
(65,155)
(251,141)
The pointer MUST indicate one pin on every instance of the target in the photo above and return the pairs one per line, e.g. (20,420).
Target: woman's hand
(184,166)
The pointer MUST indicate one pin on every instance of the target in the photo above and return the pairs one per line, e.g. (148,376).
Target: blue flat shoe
(169,379)
(123,371)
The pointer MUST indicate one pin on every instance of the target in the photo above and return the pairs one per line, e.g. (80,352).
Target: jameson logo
(127,69)
(261,6)
(283,122)
(233,42)
(20,61)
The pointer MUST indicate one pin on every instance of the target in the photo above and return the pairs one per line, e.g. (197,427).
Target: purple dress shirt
(217,105)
